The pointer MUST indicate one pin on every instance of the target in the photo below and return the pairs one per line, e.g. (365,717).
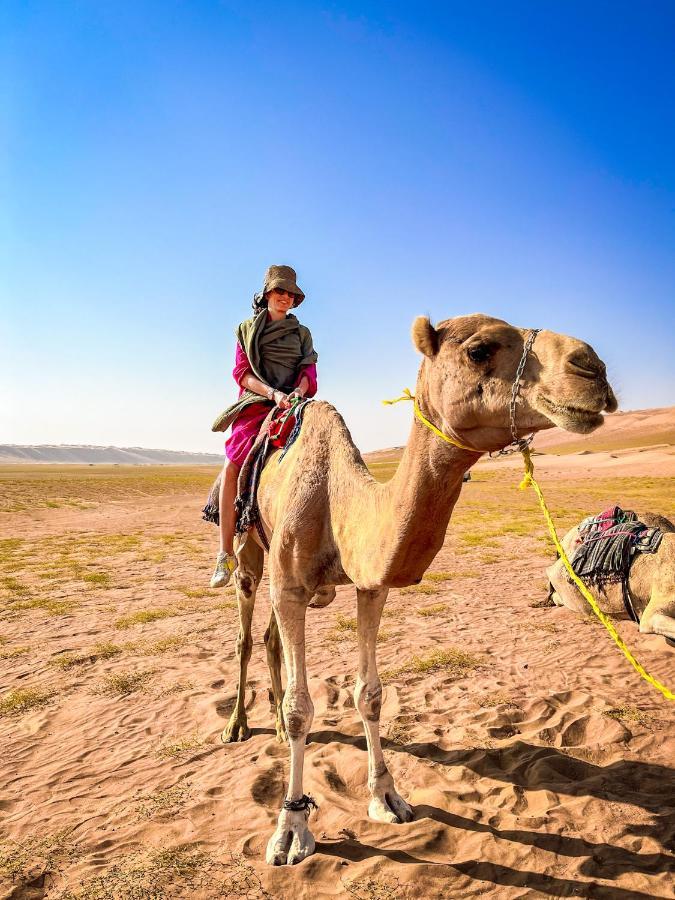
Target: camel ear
(425,336)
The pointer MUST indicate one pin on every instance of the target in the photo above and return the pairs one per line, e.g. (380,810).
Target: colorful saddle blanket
(279,430)
(608,543)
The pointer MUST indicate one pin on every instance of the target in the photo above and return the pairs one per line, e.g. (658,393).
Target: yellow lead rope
(406,395)
(528,480)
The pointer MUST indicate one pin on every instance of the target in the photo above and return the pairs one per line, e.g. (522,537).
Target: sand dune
(541,767)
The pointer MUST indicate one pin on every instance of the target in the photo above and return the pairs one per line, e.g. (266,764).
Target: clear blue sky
(512,158)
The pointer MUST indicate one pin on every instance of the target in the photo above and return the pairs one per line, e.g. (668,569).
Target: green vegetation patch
(22,700)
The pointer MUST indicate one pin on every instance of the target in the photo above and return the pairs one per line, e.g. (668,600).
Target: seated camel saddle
(278,431)
(606,547)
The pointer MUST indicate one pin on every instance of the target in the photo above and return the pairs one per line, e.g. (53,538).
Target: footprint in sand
(268,787)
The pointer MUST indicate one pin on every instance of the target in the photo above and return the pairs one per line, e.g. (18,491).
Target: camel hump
(655,520)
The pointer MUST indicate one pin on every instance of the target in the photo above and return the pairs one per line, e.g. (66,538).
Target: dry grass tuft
(497,698)
(180,748)
(97,579)
(178,687)
(226,604)
(449,576)
(147,875)
(53,607)
(35,856)
(455,662)
(162,645)
(143,616)
(434,610)
(195,593)
(22,700)
(629,714)
(68,660)
(120,684)
(162,803)
(344,627)
(374,887)
(421,588)
(13,652)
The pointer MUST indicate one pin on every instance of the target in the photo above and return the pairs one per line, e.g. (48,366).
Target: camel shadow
(532,767)
(549,885)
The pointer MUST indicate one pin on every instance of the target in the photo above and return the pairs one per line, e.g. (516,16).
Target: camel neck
(416,505)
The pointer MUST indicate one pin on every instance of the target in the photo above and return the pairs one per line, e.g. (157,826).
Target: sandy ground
(541,767)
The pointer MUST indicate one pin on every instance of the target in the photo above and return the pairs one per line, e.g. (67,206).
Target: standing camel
(330,523)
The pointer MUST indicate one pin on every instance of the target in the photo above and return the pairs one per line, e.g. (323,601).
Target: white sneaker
(225,566)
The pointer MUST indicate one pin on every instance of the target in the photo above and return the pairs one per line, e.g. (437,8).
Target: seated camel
(650,583)
(328,522)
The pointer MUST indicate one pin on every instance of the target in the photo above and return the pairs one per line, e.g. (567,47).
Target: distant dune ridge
(622,430)
(82,454)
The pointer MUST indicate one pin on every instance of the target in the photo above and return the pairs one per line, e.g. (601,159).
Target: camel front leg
(273,648)
(293,841)
(246,578)
(387,805)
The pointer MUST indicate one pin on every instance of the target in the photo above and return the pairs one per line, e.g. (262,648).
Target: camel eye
(480,353)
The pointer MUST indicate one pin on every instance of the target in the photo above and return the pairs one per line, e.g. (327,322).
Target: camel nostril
(584,366)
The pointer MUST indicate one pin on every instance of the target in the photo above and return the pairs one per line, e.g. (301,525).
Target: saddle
(279,430)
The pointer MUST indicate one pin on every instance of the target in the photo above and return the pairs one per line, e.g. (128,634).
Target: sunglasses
(283,292)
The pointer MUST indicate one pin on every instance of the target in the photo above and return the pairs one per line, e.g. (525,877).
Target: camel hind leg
(273,648)
(250,558)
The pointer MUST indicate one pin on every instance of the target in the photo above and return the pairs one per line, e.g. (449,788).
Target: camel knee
(298,713)
(246,582)
(368,699)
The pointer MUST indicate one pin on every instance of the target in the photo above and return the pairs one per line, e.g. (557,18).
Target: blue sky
(511,158)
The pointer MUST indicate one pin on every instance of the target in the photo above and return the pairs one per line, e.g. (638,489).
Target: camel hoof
(391,808)
(292,841)
(235,731)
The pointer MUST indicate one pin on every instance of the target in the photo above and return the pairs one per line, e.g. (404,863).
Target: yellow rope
(529,479)
(406,395)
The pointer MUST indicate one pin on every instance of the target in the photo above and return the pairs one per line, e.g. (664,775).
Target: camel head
(469,367)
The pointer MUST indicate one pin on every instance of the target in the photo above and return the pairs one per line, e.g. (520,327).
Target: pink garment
(246,426)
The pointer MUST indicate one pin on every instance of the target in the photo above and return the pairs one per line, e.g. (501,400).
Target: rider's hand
(281,400)
(296,395)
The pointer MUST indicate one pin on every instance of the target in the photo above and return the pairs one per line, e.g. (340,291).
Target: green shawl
(275,351)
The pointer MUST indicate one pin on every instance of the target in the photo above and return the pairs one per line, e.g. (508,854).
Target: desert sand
(538,763)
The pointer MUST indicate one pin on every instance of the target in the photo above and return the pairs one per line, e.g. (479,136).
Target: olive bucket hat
(283,277)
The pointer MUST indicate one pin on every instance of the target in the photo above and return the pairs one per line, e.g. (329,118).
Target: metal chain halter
(518,444)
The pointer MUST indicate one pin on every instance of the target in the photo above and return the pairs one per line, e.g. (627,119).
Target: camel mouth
(572,418)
